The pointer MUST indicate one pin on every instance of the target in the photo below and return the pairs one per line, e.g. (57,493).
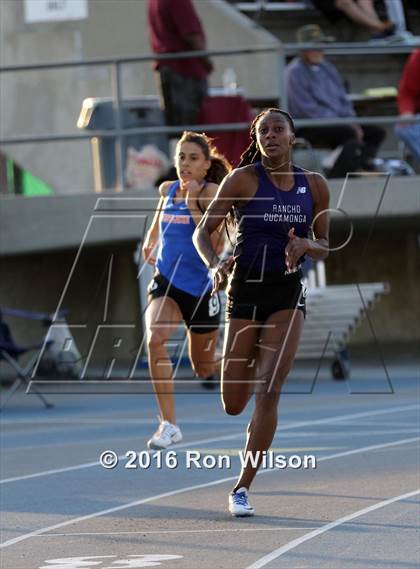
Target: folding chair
(10,352)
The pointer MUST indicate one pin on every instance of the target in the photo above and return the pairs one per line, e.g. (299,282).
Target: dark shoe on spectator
(349,160)
(372,165)
(386,33)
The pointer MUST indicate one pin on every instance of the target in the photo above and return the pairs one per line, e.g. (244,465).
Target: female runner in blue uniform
(181,287)
(275,205)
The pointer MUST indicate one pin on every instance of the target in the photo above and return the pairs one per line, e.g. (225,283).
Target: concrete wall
(59,222)
(39,282)
(49,102)
(386,249)
(390,254)
(40,238)
(40,235)
(32,225)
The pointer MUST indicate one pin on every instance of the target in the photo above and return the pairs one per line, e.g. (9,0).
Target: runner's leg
(202,349)
(277,349)
(163,316)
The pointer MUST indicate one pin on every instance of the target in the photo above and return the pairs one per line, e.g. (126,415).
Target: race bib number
(214,305)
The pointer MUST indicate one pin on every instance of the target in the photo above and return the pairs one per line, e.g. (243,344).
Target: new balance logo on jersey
(301,190)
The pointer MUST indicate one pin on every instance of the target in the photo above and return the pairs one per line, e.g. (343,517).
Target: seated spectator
(315,90)
(362,12)
(409,104)
(409,87)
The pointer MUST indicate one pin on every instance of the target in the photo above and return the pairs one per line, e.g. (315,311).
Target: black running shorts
(256,299)
(200,313)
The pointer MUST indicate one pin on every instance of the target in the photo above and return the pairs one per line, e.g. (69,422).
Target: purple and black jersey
(265,221)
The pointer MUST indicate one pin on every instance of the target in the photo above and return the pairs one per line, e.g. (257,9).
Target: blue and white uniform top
(177,258)
(265,221)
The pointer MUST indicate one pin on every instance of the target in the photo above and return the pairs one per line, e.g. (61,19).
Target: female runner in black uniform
(276,206)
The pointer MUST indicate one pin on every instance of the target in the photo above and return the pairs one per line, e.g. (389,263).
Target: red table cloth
(227,109)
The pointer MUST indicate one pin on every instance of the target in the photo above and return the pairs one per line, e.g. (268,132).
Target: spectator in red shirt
(409,88)
(409,105)
(174,26)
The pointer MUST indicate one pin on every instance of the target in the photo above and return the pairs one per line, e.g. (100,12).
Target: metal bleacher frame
(333,314)
(281,50)
(324,303)
(272,6)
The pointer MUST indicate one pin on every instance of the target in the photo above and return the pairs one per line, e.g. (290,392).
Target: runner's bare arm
(218,235)
(228,194)
(317,248)
(319,245)
(152,235)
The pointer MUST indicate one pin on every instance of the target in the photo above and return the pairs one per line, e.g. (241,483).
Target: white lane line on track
(287,427)
(136,421)
(327,527)
(304,434)
(370,447)
(93,533)
(121,457)
(110,422)
(100,513)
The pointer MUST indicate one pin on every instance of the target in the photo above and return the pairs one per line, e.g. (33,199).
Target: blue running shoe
(239,505)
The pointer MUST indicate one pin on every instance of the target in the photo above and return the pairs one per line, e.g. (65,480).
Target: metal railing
(281,50)
(119,132)
(270,6)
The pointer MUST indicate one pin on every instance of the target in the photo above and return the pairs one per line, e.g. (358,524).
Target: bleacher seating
(359,70)
(283,17)
(333,313)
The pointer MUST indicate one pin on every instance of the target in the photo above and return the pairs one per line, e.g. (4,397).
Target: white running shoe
(239,505)
(166,435)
